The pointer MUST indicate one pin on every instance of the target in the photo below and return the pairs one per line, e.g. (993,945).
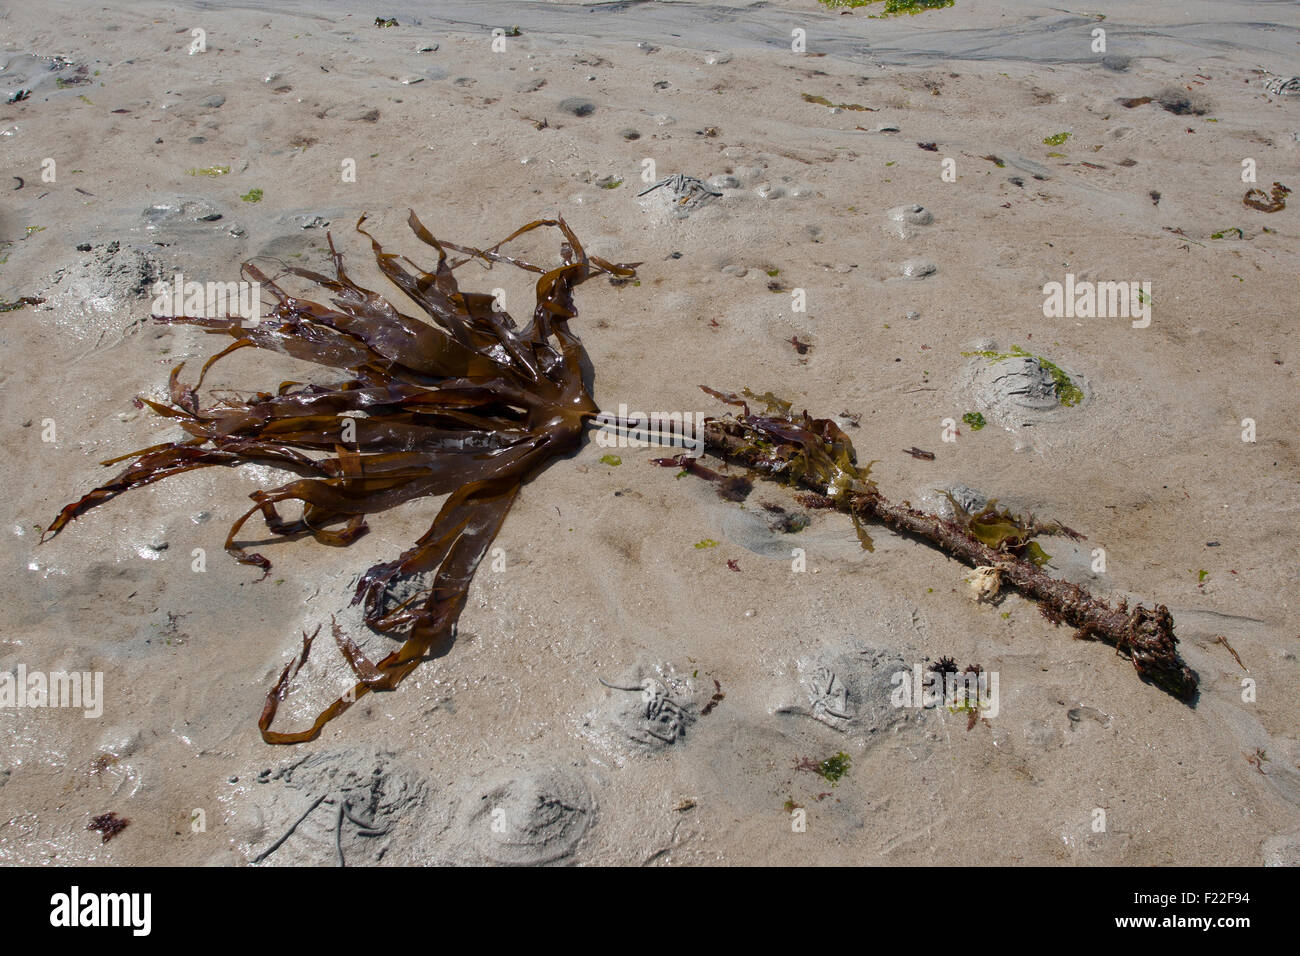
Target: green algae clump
(833,768)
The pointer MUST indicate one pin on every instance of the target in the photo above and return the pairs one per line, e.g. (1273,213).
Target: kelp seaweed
(816,455)
(469,407)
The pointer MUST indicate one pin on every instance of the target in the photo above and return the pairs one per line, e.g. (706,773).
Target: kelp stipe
(815,454)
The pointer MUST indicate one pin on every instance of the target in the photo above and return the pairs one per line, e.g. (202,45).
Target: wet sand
(603,573)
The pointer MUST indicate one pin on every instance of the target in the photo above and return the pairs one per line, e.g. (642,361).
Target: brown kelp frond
(797,449)
(466,405)
(1005,532)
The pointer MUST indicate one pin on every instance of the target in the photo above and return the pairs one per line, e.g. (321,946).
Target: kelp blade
(461,403)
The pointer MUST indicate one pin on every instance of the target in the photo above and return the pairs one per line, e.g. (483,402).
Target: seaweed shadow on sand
(469,408)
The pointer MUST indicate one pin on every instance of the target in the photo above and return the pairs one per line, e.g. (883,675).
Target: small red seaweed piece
(717,698)
(730,487)
(109,825)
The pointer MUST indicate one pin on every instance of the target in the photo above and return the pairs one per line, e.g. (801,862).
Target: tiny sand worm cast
(469,407)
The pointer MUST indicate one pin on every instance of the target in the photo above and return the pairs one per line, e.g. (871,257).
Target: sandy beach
(874,208)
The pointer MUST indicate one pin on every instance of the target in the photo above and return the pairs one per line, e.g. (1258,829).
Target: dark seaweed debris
(1258,199)
(730,487)
(108,825)
(19,302)
(717,698)
(469,407)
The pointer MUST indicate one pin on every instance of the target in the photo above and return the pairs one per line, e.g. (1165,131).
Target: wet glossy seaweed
(468,406)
